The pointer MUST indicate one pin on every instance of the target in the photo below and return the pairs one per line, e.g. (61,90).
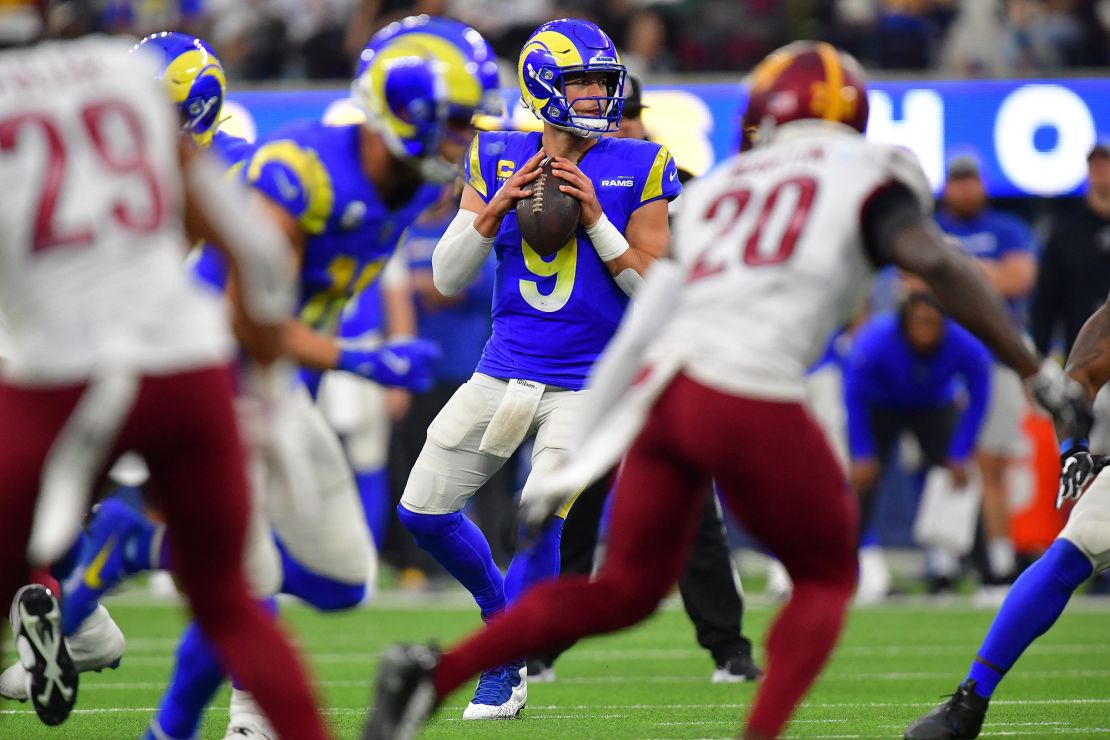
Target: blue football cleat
(117,545)
(501,693)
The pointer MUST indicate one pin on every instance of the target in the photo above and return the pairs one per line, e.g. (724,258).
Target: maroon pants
(184,427)
(778,477)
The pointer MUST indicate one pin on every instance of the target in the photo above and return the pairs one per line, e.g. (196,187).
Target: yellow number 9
(562,267)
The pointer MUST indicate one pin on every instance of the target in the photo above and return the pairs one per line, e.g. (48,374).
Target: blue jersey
(991,235)
(232,152)
(553,316)
(883,371)
(314,172)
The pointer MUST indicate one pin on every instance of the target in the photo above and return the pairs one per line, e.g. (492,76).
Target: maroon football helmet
(806,80)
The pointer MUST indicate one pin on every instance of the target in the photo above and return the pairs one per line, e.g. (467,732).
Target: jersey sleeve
(902,167)
(661,178)
(296,179)
(475,168)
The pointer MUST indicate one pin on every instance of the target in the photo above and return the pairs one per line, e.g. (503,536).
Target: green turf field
(652,682)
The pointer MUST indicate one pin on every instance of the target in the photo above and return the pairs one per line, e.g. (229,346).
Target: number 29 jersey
(772,240)
(553,316)
(91,241)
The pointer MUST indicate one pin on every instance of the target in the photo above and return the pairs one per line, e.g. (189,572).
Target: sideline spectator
(1005,249)
(903,373)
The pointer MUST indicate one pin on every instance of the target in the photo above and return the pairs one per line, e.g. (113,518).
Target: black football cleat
(737,668)
(405,695)
(959,718)
(51,675)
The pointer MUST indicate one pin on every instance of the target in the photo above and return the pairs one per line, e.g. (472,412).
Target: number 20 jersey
(553,316)
(773,242)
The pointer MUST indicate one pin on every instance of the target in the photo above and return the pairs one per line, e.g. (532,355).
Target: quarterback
(551,316)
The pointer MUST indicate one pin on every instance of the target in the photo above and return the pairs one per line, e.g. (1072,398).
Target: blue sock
(196,678)
(537,563)
(461,548)
(326,594)
(377,500)
(1034,603)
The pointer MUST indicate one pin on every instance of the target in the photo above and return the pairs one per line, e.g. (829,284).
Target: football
(549,216)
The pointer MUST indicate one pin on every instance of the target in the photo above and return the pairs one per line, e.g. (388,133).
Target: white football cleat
(247,719)
(97,644)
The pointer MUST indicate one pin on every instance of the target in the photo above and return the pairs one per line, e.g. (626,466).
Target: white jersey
(772,240)
(91,242)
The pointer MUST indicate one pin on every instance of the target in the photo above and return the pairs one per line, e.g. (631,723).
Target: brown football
(548,217)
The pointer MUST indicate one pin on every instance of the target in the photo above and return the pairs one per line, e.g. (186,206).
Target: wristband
(608,242)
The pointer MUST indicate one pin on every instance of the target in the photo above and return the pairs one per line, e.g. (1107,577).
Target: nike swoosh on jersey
(92,573)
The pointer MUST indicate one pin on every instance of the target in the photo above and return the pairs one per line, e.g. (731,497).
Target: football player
(551,316)
(1041,592)
(775,249)
(344,195)
(325,559)
(116,348)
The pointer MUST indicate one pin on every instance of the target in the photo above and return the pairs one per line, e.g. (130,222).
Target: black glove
(1078,467)
(1064,398)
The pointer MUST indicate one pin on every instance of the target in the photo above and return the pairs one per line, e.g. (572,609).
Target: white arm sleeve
(261,250)
(459,256)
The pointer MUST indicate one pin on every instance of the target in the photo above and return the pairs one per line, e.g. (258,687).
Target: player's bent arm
(260,261)
(460,252)
(896,229)
(1089,361)
(646,239)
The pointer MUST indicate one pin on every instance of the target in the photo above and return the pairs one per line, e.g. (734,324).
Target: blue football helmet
(419,75)
(194,79)
(559,50)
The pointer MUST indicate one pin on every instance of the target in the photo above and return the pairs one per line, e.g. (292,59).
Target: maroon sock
(799,643)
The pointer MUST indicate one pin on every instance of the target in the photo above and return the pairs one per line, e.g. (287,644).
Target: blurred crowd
(319,39)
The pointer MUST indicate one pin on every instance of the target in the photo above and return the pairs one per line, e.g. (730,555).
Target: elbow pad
(260,249)
(459,255)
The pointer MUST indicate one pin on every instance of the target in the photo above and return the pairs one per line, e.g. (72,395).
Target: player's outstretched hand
(579,187)
(516,187)
(1078,467)
(1064,398)
(407,364)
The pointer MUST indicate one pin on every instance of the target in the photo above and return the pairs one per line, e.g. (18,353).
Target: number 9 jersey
(552,317)
(773,242)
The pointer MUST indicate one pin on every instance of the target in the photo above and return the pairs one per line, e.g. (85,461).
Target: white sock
(1000,557)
